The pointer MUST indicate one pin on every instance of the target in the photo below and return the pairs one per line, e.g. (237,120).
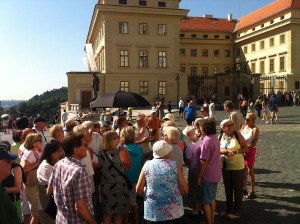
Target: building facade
(153,48)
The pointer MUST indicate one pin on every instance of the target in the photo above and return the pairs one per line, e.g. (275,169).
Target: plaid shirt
(70,183)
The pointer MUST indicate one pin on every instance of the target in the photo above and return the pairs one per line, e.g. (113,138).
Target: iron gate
(272,83)
(201,85)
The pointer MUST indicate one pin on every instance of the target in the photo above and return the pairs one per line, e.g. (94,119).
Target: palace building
(154,48)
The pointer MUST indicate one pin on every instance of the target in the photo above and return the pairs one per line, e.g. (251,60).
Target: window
(282,39)
(227,70)
(205,36)
(282,63)
(272,42)
(124,58)
(162,88)
(227,37)
(262,67)
(216,70)
(227,53)
(162,59)
(161,4)
(271,64)
(216,36)
(245,50)
(204,70)
(253,67)
(205,53)
(161,29)
(194,52)
(262,44)
(297,85)
(272,21)
(143,28)
(253,47)
(253,29)
(143,87)
(193,71)
(182,35)
(143,58)
(193,35)
(123,27)
(142,2)
(216,53)
(123,2)
(227,91)
(282,17)
(124,86)
(182,52)
(262,25)
(182,69)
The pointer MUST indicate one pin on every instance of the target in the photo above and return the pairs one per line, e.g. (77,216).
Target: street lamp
(177,83)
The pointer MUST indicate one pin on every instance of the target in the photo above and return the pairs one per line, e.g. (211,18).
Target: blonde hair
(188,130)
(127,135)
(251,115)
(80,129)
(173,134)
(108,140)
(54,128)
(168,124)
(31,139)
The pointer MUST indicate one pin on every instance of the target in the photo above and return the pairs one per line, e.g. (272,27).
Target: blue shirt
(190,113)
(136,158)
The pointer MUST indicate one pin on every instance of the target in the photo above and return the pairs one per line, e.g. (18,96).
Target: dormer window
(193,35)
(142,2)
(123,2)
(161,4)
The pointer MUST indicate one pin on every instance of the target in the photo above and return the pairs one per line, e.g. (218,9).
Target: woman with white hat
(165,187)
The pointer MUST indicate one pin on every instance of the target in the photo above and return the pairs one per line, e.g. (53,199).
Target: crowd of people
(119,169)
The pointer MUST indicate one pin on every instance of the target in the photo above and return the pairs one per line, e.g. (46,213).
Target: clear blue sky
(41,40)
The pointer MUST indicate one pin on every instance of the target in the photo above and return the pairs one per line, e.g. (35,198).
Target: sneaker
(276,119)
(224,213)
(251,195)
(267,122)
(232,216)
(262,119)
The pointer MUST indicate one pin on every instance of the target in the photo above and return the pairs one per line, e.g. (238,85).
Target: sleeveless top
(248,136)
(235,162)
(163,200)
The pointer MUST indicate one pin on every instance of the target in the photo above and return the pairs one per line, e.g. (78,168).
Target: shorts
(250,157)
(208,192)
(132,196)
(32,194)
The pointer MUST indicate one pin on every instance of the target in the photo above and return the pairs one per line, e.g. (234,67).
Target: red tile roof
(206,24)
(265,12)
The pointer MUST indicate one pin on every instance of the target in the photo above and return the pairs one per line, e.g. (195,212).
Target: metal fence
(273,83)
(201,85)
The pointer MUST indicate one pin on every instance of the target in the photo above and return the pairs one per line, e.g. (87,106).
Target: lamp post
(177,83)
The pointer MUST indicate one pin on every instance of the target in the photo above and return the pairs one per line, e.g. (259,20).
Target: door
(86,98)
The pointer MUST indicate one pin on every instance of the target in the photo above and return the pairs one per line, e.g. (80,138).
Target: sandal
(251,195)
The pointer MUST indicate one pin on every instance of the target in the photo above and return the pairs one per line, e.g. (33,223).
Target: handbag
(128,183)
(51,207)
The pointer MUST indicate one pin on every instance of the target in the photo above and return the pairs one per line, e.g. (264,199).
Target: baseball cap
(224,122)
(4,155)
(160,149)
(169,117)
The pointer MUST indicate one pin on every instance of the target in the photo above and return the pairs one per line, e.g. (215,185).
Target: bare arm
(255,137)
(141,183)
(82,210)
(49,190)
(183,186)
(203,165)
(17,181)
(125,158)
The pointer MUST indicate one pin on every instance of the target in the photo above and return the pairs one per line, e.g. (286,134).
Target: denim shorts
(208,191)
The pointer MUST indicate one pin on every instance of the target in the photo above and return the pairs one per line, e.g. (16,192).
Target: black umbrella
(120,99)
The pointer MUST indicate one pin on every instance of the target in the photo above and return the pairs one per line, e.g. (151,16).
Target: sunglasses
(247,119)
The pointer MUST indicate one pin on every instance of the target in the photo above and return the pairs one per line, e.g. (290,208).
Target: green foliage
(47,103)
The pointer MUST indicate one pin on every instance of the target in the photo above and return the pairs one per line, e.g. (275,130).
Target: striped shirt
(70,183)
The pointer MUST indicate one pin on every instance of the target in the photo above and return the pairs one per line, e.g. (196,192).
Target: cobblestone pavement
(277,171)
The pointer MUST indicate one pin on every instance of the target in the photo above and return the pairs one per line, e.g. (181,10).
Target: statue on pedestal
(95,85)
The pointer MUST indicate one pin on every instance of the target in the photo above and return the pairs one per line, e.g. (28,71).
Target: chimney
(229,17)
(209,16)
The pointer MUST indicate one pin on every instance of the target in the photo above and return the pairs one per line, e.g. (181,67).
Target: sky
(42,40)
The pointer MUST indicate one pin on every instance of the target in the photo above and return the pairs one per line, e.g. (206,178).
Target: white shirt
(95,145)
(211,110)
(44,172)
(181,103)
